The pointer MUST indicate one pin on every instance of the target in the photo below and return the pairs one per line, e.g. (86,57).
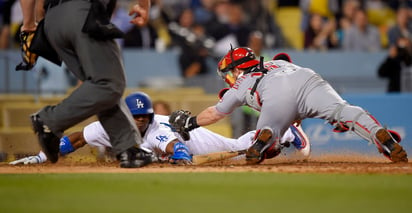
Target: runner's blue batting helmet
(139,103)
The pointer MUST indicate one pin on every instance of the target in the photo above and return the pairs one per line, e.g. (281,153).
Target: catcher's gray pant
(98,64)
(304,94)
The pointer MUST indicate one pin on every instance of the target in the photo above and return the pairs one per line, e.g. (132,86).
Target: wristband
(192,124)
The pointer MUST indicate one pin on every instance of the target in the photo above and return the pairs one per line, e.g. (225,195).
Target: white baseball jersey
(159,134)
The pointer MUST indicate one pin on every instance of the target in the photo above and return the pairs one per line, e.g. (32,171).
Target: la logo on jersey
(139,103)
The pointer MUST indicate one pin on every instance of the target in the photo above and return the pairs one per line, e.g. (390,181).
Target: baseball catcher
(284,92)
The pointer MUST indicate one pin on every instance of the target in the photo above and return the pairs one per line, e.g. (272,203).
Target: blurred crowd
(358,25)
(202,29)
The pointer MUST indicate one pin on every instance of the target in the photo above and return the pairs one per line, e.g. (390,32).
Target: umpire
(81,34)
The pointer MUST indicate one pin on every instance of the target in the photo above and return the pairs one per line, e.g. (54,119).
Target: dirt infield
(325,164)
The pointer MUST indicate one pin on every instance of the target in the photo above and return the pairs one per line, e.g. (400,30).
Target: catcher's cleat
(389,147)
(49,142)
(256,153)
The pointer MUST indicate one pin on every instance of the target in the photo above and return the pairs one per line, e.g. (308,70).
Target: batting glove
(181,155)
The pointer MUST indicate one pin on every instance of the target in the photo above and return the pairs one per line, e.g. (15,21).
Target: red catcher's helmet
(241,57)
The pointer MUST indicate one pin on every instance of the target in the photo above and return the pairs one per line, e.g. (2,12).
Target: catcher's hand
(182,123)
(28,58)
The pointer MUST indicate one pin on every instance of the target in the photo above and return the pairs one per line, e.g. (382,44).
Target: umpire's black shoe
(135,158)
(49,142)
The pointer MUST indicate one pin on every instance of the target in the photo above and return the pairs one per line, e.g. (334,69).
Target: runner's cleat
(301,142)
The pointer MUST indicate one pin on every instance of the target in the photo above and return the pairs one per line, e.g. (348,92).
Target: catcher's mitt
(182,123)
(29,58)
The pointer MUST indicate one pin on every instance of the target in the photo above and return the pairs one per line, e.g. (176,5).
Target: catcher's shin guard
(256,153)
(389,147)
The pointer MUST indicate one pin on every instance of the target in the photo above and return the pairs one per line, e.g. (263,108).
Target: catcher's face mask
(228,77)
(240,58)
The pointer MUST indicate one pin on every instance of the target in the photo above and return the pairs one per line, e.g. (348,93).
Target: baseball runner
(284,92)
(166,144)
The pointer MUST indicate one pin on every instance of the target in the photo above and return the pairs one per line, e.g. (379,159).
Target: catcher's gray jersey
(287,93)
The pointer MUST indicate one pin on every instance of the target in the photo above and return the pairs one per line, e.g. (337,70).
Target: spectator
(402,28)
(215,27)
(160,20)
(397,67)
(345,17)
(348,10)
(381,16)
(396,4)
(261,18)
(256,43)
(173,8)
(325,8)
(193,44)
(161,107)
(237,24)
(320,35)
(141,37)
(233,29)
(203,10)
(361,36)
(6,23)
